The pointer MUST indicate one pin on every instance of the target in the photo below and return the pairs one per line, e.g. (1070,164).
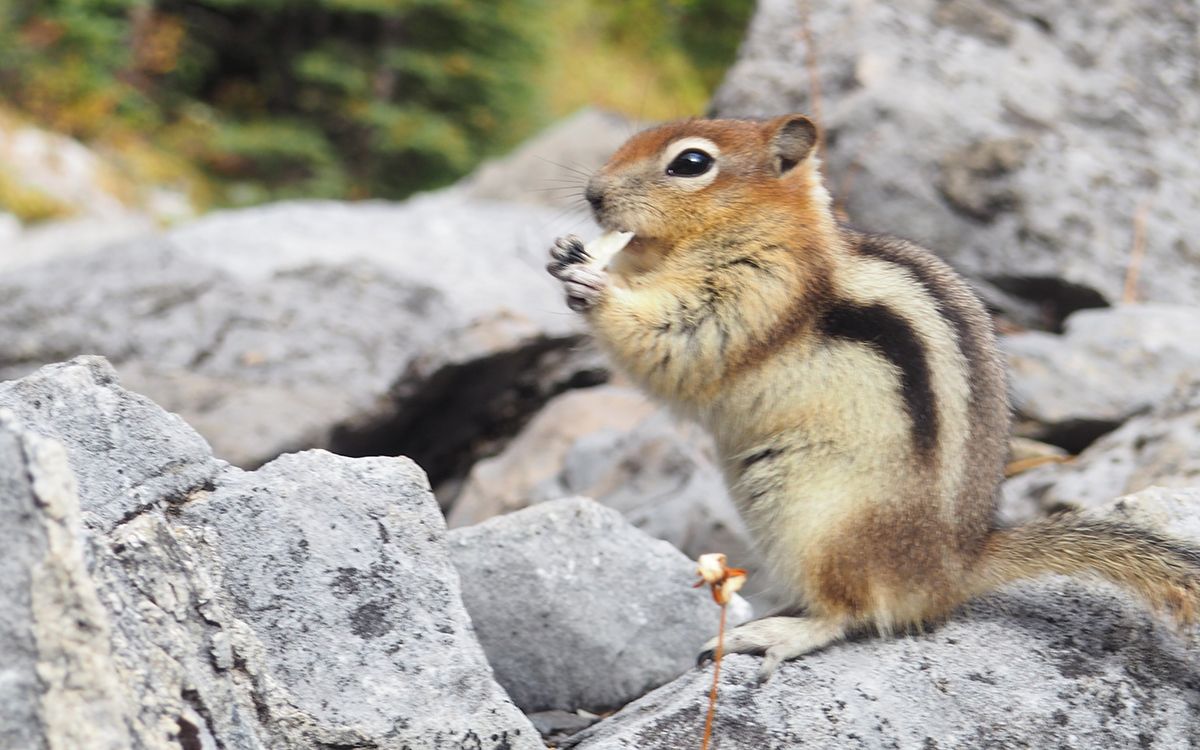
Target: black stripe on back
(882,249)
(892,337)
(762,455)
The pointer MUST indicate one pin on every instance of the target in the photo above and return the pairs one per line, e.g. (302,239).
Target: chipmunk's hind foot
(779,639)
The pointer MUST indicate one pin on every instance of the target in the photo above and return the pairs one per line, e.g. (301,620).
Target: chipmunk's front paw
(568,250)
(583,284)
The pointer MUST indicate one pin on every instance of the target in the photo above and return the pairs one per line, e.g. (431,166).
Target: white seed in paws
(605,247)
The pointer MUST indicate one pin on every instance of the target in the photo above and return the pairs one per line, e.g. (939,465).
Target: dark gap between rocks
(448,420)
(1056,298)
(1074,435)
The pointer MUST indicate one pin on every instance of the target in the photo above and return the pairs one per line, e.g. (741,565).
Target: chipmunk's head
(699,177)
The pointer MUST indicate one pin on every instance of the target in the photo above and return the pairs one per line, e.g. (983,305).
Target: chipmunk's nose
(595,196)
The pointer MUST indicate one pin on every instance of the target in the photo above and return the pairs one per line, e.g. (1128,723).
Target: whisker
(565,212)
(577,170)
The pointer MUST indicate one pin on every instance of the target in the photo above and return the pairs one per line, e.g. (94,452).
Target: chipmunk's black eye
(690,163)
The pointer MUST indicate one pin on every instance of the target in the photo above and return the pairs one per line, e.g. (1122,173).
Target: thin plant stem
(814,75)
(1136,254)
(712,694)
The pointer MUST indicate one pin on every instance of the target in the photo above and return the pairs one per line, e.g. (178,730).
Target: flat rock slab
(482,256)
(577,609)
(1107,366)
(1018,140)
(1046,664)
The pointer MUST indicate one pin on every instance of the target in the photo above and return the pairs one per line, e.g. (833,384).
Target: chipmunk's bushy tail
(1163,571)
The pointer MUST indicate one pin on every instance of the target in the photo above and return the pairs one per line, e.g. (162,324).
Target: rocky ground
(350,475)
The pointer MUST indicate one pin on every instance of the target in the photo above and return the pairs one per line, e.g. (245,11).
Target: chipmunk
(851,383)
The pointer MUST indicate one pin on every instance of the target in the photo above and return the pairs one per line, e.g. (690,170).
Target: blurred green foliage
(349,98)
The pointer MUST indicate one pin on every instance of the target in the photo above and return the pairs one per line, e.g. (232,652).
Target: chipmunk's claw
(583,284)
(569,250)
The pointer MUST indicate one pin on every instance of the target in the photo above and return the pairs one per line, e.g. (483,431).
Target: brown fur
(796,321)
(1161,570)
(867,465)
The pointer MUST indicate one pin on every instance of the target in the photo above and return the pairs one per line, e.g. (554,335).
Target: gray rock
(1018,139)
(1106,366)
(349,319)
(128,454)
(611,444)
(483,257)
(10,228)
(1047,664)
(309,604)
(66,238)
(1172,510)
(192,673)
(137,301)
(60,170)
(556,726)
(58,687)
(236,622)
(534,459)
(246,421)
(577,609)
(664,479)
(1159,448)
(339,569)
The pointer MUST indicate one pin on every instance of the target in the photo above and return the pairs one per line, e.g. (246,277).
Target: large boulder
(310,603)
(1054,663)
(426,328)
(338,570)
(1019,139)
(577,609)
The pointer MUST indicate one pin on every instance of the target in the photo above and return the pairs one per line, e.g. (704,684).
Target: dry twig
(1022,465)
(1136,253)
(814,75)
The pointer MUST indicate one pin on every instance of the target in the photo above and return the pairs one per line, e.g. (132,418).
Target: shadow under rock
(464,411)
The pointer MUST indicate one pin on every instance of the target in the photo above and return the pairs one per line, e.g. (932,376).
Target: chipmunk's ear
(792,140)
